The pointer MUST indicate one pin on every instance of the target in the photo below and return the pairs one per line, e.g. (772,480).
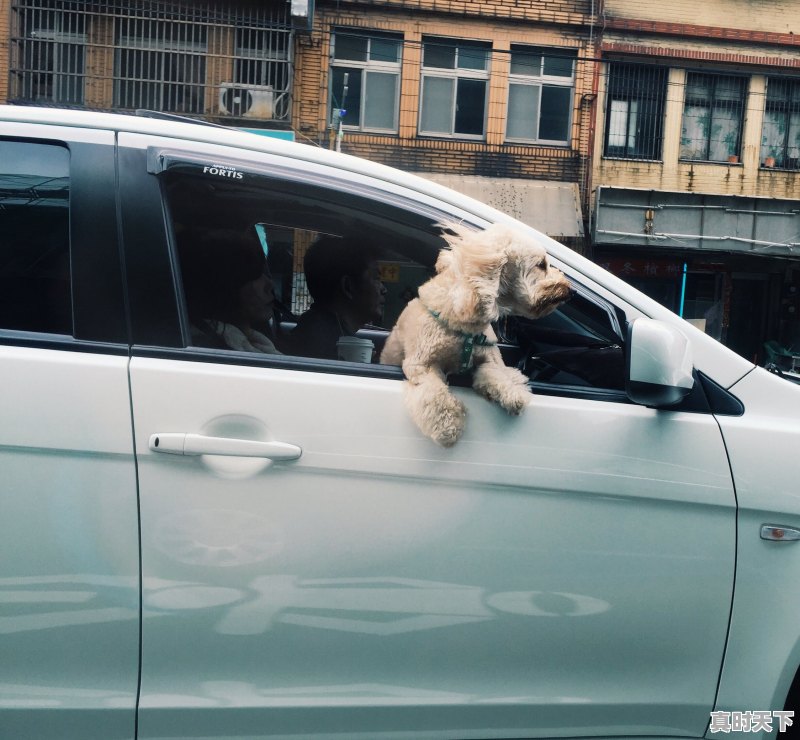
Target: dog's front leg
(501,384)
(433,408)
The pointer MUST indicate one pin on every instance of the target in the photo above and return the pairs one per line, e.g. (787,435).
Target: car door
(313,566)
(69,571)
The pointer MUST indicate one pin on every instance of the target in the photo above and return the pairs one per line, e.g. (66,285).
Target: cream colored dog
(482,276)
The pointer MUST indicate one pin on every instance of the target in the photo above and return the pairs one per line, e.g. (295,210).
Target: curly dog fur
(482,276)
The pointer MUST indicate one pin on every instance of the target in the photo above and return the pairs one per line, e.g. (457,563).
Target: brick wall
(485,21)
(5,32)
(551,11)
(772,17)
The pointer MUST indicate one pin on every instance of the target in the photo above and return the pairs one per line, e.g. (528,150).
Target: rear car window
(35,292)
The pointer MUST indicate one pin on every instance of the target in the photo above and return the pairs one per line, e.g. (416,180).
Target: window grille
(780,135)
(712,117)
(635,111)
(207,58)
(540,95)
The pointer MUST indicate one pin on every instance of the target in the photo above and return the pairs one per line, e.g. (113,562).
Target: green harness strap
(470,341)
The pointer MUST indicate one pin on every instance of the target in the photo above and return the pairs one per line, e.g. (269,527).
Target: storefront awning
(549,206)
(660,219)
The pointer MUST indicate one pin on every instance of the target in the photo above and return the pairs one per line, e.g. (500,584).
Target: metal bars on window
(204,58)
(780,135)
(635,107)
(713,115)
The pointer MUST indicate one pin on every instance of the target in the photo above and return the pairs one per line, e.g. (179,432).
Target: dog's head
(529,285)
(499,271)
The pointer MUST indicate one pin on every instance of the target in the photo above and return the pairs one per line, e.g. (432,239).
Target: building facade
(695,193)
(489,98)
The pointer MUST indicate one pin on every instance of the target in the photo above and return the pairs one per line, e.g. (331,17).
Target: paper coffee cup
(355,349)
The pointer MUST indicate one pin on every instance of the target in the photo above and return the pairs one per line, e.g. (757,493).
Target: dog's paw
(514,399)
(446,422)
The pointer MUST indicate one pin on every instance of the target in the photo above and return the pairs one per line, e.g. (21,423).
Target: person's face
(256,299)
(369,295)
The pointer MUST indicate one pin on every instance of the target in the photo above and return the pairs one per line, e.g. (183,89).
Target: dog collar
(469,341)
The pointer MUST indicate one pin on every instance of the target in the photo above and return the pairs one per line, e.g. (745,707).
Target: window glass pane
(35,293)
(470,107)
(470,57)
(437,105)
(380,100)
(558,66)
(772,135)
(694,131)
(350,47)
(526,64)
(523,111)
(698,87)
(724,134)
(729,89)
(439,54)
(349,99)
(793,147)
(384,50)
(554,123)
(618,124)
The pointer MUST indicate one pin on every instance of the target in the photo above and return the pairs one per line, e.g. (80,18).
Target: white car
(296,560)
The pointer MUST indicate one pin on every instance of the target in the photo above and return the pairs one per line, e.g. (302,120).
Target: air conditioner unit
(247,101)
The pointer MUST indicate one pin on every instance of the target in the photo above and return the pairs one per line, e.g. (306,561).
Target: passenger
(343,279)
(228,290)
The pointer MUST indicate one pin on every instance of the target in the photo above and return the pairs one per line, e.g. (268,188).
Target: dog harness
(470,341)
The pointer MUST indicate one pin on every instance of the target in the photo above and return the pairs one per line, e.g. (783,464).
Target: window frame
(621,88)
(455,74)
(788,109)
(540,81)
(367,66)
(712,105)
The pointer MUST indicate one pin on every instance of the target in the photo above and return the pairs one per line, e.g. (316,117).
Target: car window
(34,250)
(218,213)
(580,344)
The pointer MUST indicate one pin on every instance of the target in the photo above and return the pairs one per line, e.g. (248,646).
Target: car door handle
(175,443)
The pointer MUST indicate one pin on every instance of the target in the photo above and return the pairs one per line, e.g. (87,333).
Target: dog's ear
(474,294)
(444,260)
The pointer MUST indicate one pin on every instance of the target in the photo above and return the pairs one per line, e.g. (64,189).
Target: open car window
(579,345)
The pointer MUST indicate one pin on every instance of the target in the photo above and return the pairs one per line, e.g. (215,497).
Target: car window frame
(99,317)
(160,155)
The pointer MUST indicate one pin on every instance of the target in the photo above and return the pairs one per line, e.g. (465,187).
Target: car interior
(580,344)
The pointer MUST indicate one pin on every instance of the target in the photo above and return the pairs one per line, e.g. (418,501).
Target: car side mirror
(659,371)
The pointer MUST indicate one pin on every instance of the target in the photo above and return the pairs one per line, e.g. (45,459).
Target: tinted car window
(34,251)
(237,227)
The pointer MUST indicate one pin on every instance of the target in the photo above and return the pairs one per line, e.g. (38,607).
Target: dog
(482,276)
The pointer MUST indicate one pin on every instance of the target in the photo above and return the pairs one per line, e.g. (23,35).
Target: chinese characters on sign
(750,721)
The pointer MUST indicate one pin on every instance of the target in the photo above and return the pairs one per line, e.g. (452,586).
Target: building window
(635,111)
(455,77)
(49,53)
(540,95)
(713,117)
(780,136)
(261,67)
(160,65)
(365,80)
